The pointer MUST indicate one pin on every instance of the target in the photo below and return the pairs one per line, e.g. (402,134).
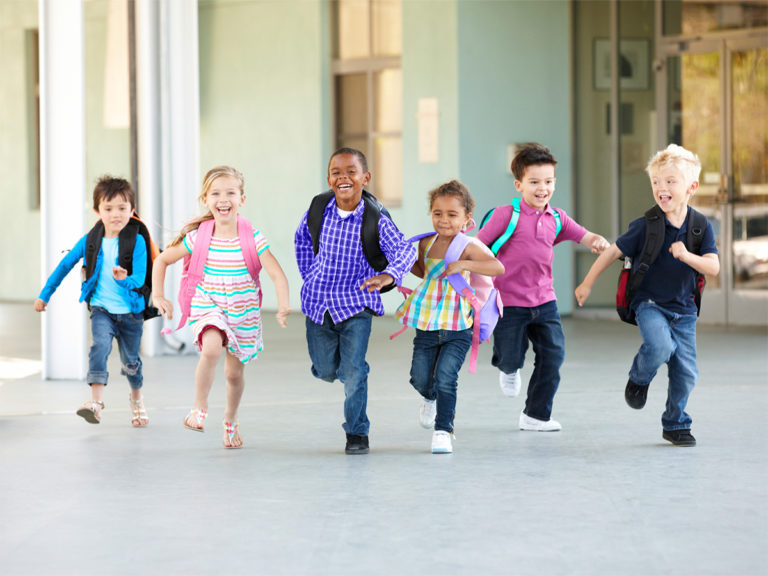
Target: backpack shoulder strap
(654,239)
(126,244)
(92,245)
(315,217)
(248,246)
(558,222)
(499,242)
(453,253)
(697,224)
(194,269)
(369,232)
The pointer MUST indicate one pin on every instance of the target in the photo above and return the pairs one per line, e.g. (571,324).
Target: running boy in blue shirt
(116,305)
(340,294)
(664,305)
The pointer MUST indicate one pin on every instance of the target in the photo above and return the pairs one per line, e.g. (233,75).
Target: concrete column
(63,185)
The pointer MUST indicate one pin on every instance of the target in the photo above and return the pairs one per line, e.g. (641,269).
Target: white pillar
(62,179)
(180,103)
(149,139)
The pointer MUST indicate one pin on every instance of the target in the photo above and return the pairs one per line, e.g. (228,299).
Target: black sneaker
(356,444)
(635,395)
(679,437)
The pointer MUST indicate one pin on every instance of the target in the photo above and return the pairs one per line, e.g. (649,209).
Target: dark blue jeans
(338,351)
(437,358)
(541,325)
(127,330)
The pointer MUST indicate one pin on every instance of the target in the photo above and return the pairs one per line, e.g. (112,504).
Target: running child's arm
(608,257)
(66,264)
(476,258)
(707,264)
(276,274)
(418,267)
(166,258)
(596,243)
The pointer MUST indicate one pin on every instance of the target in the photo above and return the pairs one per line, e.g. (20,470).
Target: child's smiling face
(449,216)
(115,214)
(537,185)
(224,198)
(670,189)
(347,179)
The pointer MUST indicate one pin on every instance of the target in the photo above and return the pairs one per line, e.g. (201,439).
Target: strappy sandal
(138,413)
(230,432)
(199,416)
(91,411)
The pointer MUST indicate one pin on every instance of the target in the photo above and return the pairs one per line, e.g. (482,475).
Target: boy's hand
(599,244)
(282,315)
(119,273)
(678,250)
(582,292)
(377,282)
(40,305)
(163,306)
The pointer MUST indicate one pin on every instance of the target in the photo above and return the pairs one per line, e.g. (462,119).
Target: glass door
(715,93)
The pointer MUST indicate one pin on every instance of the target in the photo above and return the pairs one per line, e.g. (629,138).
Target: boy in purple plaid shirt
(340,294)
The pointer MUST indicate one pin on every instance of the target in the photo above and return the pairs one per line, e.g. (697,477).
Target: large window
(368,88)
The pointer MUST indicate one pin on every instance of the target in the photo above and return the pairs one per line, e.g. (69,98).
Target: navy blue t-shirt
(669,282)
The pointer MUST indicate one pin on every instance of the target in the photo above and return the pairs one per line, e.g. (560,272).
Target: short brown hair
(108,187)
(531,154)
(456,189)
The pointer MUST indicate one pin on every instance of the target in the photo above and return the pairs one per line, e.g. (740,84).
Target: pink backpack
(194,263)
(479,291)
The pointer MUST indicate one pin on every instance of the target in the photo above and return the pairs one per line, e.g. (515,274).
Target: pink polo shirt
(527,255)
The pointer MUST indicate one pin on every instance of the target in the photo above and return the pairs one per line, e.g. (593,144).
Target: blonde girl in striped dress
(225,314)
(443,318)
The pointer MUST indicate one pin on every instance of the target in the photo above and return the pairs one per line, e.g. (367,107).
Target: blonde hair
(210,177)
(673,155)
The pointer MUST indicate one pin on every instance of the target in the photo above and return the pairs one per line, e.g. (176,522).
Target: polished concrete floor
(606,496)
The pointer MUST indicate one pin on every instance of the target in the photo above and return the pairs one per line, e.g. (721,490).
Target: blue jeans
(338,351)
(667,338)
(437,358)
(541,325)
(127,330)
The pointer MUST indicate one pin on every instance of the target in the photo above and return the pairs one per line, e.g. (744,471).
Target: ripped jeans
(127,329)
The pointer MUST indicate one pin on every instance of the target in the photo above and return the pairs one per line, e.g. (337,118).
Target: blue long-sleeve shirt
(332,278)
(136,280)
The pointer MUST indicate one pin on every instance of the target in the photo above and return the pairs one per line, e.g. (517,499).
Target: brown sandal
(91,411)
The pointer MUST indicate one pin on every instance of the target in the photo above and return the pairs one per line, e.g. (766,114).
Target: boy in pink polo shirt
(530,304)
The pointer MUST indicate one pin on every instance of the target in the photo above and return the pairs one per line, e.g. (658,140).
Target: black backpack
(369,231)
(630,281)
(126,243)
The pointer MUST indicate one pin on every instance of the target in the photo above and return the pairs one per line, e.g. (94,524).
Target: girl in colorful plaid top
(442,317)
(225,312)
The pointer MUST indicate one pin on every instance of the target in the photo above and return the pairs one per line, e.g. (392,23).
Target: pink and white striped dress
(227,297)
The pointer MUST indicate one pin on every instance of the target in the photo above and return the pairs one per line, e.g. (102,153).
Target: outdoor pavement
(606,496)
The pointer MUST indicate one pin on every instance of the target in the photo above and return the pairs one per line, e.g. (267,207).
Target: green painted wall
(262,110)
(514,86)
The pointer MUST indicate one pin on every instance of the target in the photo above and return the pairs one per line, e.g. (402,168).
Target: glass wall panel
(353,38)
(688,17)
(387,27)
(387,181)
(352,104)
(388,105)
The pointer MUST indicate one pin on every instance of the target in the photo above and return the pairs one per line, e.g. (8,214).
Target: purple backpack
(479,291)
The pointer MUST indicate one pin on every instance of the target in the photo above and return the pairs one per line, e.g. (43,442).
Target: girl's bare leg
(212,346)
(234,373)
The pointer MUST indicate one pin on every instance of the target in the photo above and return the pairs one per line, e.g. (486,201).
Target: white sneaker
(510,383)
(427,413)
(528,423)
(441,442)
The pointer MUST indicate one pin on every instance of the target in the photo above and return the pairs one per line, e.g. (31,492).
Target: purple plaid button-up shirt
(332,279)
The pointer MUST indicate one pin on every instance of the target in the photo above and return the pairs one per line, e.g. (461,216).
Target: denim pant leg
(426,346)
(548,340)
(338,351)
(657,347)
(683,373)
(454,345)
(510,340)
(130,327)
(102,331)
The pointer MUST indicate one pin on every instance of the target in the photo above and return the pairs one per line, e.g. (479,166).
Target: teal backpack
(496,245)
